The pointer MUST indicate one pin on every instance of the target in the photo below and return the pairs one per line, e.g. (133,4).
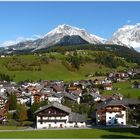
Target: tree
(87,98)
(83,108)
(21,113)
(34,107)
(12,100)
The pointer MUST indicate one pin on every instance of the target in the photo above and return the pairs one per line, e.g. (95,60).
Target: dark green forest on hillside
(129,54)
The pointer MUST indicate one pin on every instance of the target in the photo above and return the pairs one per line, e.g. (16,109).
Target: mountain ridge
(55,36)
(128,35)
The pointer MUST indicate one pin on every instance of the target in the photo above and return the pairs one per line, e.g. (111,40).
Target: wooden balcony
(52,120)
(51,115)
(114,110)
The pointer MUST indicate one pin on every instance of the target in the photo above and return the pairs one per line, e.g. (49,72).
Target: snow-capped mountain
(67,30)
(128,35)
(57,36)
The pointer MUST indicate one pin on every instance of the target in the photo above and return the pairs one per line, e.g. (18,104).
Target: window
(49,112)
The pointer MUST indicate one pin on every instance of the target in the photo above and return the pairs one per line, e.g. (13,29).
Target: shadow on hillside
(118,137)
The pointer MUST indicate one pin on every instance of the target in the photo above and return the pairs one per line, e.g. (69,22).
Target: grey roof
(58,95)
(76,117)
(109,102)
(70,96)
(56,105)
(124,102)
(24,97)
(131,101)
(94,95)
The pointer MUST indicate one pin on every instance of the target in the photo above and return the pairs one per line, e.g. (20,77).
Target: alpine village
(78,82)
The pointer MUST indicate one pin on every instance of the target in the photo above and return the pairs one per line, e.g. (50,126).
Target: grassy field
(125,88)
(55,70)
(79,133)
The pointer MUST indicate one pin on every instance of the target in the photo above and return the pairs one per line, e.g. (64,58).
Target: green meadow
(54,70)
(124,133)
(126,89)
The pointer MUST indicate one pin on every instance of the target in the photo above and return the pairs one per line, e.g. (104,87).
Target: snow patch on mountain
(67,30)
(128,35)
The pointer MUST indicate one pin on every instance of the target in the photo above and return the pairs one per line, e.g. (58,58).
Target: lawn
(75,133)
(126,89)
(11,128)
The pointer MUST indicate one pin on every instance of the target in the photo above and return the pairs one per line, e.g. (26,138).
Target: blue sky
(28,19)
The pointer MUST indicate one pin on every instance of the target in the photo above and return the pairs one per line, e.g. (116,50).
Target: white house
(107,86)
(111,112)
(55,97)
(23,99)
(55,115)
(36,98)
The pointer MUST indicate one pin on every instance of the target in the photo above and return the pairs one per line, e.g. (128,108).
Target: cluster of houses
(110,109)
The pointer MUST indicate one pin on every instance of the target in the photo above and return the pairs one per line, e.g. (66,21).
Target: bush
(27,123)
(12,122)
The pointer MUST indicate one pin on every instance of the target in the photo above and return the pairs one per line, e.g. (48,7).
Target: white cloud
(19,39)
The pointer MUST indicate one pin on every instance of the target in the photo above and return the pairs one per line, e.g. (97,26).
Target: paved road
(87,127)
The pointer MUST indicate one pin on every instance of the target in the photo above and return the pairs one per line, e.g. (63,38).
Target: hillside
(58,66)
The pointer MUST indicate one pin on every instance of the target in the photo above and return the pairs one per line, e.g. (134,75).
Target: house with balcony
(56,115)
(111,112)
(37,98)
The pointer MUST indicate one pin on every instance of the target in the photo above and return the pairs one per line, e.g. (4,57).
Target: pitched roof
(56,105)
(131,101)
(57,95)
(70,96)
(109,102)
(76,117)
(124,102)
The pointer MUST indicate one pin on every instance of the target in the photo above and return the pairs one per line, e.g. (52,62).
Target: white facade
(2,90)
(62,122)
(108,88)
(112,119)
(51,123)
(54,99)
(23,100)
(97,99)
(32,99)
(78,100)
(116,118)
